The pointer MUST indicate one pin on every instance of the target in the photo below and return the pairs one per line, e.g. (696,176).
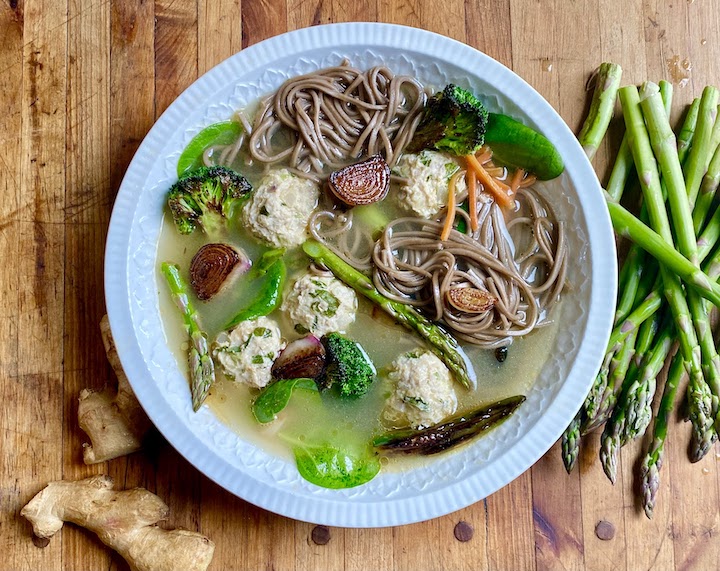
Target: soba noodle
(334,116)
(521,263)
(326,119)
(524,272)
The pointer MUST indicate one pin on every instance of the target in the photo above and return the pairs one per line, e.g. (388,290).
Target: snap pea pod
(449,433)
(272,267)
(222,133)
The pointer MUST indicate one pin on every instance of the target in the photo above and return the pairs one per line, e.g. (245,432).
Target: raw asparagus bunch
(665,294)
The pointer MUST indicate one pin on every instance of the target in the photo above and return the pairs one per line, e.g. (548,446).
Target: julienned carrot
(516,179)
(529,180)
(504,187)
(502,198)
(450,218)
(472,198)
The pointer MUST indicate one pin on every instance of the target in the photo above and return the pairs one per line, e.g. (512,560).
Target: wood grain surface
(81,83)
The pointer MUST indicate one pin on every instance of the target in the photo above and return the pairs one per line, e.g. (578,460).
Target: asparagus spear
(705,373)
(703,150)
(601,108)
(450,432)
(202,370)
(570,442)
(596,393)
(653,460)
(610,440)
(599,410)
(638,401)
(629,280)
(441,343)
(628,226)
(687,131)
(708,189)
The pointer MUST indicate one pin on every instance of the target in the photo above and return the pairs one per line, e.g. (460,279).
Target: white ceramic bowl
(447,483)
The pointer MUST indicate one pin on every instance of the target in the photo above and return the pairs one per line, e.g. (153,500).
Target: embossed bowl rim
(447,483)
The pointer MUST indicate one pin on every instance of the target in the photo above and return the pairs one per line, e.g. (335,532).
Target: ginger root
(113,420)
(123,520)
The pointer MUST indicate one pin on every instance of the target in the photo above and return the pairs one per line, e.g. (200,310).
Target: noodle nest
(334,116)
(521,264)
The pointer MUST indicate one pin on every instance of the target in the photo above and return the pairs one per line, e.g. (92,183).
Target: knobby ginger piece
(124,520)
(113,420)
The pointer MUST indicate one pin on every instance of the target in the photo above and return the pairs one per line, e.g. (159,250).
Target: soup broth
(352,422)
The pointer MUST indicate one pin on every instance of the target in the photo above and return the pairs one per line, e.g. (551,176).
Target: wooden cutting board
(81,83)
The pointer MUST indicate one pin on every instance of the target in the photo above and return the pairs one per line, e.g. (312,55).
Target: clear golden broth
(309,415)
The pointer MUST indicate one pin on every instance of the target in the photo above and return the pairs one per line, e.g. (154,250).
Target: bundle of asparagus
(668,283)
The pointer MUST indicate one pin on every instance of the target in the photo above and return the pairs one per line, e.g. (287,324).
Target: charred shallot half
(365,182)
(213,265)
(303,358)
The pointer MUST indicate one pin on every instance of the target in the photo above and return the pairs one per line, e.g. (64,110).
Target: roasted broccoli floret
(205,197)
(348,366)
(454,122)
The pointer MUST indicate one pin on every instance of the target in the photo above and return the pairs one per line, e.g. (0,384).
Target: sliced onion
(365,182)
(213,265)
(470,299)
(301,359)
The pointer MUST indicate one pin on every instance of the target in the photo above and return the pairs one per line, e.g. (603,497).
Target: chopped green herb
(450,169)
(331,303)
(417,402)
(257,360)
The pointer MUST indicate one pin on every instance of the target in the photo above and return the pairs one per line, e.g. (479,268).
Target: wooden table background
(81,82)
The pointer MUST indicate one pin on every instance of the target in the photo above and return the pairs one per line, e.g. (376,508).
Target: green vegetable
(328,466)
(653,460)
(276,396)
(349,368)
(223,133)
(266,260)
(451,432)
(206,197)
(601,108)
(570,442)
(518,145)
(372,216)
(706,141)
(598,410)
(331,302)
(441,343)
(272,268)
(202,369)
(686,310)
(454,122)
